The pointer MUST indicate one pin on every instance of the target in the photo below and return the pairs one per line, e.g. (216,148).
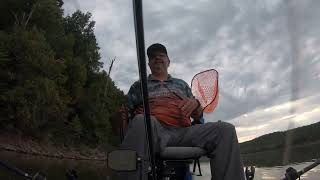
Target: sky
(267,53)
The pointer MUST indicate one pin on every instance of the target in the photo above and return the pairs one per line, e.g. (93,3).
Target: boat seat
(181,156)
(169,154)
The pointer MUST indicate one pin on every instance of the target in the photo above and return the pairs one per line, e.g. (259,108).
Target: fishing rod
(139,32)
(292,174)
(71,174)
(37,176)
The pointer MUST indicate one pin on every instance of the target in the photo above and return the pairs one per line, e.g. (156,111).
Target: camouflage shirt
(156,90)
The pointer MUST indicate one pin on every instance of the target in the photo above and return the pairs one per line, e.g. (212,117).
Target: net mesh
(204,87)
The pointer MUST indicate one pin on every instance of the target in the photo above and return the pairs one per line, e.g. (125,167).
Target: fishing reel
(291,174)
(250,171)
(71,174)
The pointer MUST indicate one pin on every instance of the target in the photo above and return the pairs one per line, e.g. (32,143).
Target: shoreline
(292,147)
(28,146)
(277,157)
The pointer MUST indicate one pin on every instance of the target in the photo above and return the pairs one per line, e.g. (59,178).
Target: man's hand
(188,105)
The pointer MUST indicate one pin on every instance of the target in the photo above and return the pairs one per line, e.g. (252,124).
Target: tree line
(52,83)
(277,140)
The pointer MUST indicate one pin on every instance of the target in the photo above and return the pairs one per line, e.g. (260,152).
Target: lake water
(53,167)
(96,170)
(268,173)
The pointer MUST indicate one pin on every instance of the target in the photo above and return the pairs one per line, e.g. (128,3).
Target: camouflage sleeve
(188,91)
(133,99)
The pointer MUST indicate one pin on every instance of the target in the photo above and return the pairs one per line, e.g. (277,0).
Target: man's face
(159,63)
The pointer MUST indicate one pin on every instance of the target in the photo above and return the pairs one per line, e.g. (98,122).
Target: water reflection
(97,170)
(269,164)
(53,168)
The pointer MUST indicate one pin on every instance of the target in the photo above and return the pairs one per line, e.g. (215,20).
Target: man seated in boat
(171,107)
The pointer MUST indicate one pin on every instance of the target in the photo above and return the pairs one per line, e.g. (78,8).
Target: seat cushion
(178,153)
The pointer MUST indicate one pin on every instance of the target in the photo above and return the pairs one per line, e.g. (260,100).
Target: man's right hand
(188,105)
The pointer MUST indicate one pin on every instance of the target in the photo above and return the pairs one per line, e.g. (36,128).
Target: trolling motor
(293,174)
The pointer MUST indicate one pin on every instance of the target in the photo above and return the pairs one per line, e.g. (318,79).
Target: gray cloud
(264,57)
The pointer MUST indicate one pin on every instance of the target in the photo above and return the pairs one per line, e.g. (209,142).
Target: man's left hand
(188,105)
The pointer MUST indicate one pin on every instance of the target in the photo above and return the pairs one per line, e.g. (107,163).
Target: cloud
(267,53)
(278,118)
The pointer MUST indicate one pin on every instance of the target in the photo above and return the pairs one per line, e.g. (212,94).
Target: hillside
(299,136)
(275,150)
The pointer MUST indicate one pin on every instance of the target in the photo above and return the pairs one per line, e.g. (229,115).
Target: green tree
(52,82)
(85,47)
(32,76)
